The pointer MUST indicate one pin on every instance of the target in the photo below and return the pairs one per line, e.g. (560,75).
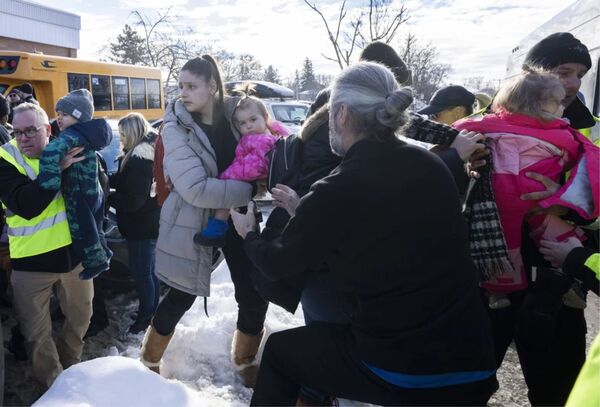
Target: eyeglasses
(29,132)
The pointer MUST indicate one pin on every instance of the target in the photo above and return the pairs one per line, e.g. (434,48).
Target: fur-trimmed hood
(314,122)
(144,150)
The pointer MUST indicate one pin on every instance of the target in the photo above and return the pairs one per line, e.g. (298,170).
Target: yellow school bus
(117,89)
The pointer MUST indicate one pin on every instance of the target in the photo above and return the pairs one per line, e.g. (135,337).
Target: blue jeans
(141,263)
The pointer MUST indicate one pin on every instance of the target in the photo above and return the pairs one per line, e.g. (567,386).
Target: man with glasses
(41,249)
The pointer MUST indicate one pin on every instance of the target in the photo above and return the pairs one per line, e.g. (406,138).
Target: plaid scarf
(486,238)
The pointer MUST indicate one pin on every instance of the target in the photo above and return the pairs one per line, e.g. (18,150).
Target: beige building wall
(28,46)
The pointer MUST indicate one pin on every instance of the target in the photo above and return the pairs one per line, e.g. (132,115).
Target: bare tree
(166,45)
(427,73)
(379,21)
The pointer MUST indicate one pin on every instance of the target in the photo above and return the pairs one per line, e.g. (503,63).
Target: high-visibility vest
(593,133)
(46,232)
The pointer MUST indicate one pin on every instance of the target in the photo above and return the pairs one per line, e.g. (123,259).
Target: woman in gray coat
(199,142)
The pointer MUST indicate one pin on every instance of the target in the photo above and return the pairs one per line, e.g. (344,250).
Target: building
(32,27)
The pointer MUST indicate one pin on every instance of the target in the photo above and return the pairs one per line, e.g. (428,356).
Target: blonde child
(526,134)
(259,135)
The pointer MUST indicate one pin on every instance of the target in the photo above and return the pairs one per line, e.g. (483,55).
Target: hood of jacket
(96,133)
(314,122)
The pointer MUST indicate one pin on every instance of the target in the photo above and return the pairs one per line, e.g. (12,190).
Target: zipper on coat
(269,186)
(285,153)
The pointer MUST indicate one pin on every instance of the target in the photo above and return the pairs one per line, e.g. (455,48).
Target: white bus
(582,19)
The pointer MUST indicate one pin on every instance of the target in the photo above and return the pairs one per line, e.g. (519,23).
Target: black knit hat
(26,88)
(381,52)
(557,49)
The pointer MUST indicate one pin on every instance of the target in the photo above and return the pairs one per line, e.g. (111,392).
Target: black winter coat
(388,223)
(138,212)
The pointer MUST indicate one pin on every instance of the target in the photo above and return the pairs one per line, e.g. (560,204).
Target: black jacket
(387,222)
(137,209)
(25,198)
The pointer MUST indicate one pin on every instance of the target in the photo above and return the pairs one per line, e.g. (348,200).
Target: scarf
(486,239)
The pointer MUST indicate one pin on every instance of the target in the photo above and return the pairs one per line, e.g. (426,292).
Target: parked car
(290,113)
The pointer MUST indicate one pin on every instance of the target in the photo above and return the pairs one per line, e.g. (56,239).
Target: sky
(473,36)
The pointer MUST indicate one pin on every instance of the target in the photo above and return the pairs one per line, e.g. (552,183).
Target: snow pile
(196,370)
(117,380)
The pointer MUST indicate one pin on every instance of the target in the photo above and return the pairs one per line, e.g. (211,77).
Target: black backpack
(285,161)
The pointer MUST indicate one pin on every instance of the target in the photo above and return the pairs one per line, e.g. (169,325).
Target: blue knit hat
(78,104)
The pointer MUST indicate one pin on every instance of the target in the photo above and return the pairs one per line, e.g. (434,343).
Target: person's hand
(244,222)
(71,157)
(557,252)
(467,143)
(551,187)
(286,198)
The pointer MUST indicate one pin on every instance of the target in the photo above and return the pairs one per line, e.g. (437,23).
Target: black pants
(323,356)
(252,309)
(550,370)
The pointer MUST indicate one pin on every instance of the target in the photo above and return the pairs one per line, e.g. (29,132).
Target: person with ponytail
(199,141)
(419,334)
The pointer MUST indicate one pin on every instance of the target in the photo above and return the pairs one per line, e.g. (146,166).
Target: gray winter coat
(190,163)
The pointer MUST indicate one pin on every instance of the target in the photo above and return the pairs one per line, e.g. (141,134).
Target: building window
(78,81)
(101,92)
(153,93)
(138,93)
(120,93)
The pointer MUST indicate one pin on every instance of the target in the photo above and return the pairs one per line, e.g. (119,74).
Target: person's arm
(50,169)
(21,195)
(190,179)
(577,261)
(134,187)
(309,237)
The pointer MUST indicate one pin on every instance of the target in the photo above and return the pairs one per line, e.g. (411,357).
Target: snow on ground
(197,359)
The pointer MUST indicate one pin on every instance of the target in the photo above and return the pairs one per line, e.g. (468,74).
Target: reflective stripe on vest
(593,133)
(46,232)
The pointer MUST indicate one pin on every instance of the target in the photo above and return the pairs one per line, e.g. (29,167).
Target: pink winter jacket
(521,144)
(251,162)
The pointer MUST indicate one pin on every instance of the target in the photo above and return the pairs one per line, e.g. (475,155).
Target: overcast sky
(473,36)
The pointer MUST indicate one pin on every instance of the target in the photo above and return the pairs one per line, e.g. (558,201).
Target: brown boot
(153,347)
(244,348)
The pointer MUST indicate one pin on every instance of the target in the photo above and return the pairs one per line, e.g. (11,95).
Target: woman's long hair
(134,129)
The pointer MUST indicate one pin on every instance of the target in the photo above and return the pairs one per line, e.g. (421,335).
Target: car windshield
(290,113)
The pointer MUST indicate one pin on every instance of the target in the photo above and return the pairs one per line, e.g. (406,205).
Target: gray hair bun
(392,113)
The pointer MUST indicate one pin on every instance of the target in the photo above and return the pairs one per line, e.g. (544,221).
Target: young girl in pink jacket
(259,135)
(526,134)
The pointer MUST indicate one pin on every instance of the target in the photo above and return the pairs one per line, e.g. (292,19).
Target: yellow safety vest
(593,133)
(46,232)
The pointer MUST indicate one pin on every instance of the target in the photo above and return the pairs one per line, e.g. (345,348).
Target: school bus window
(138,93)
(120,93)
(153,87)
(3,88)
(78,81)
(101,92)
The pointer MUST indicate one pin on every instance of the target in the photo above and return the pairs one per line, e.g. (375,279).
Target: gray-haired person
(420,335)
